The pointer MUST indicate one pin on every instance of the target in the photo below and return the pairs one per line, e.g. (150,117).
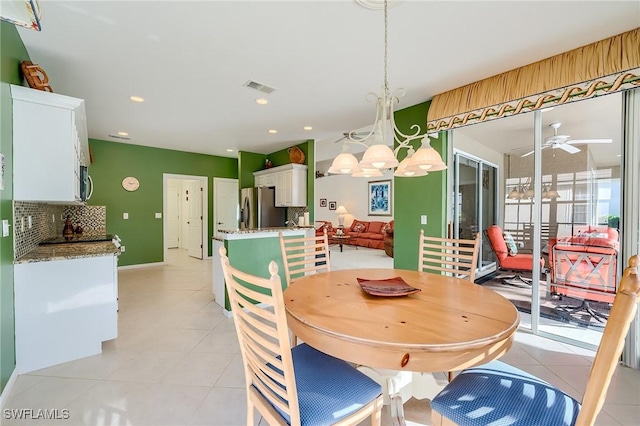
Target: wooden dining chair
(299,386)
(304,255)
(449,256)
(497,392)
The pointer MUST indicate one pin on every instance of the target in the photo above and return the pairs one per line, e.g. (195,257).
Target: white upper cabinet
(49,145)
(290,182)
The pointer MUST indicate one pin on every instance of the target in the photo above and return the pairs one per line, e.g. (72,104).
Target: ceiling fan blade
(531,152)
(566,147)
(577,141)
(345,135)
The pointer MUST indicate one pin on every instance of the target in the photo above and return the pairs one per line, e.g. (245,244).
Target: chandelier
(525,191)
(383,135)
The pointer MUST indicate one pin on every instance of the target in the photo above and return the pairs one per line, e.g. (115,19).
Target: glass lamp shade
(514,195)
(426,158)
(378,156)
(402,171)
(552,193)
(367,173)
(344,163)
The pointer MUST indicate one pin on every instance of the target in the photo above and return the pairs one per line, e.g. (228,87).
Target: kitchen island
(66,302)
(250,250)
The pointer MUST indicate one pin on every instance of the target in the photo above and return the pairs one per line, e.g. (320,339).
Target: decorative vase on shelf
(67,231)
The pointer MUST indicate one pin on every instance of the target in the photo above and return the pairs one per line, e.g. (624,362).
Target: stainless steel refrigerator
(258,208)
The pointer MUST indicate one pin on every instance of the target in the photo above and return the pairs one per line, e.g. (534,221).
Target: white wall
(350,192)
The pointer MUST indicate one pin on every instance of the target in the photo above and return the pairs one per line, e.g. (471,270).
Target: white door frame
(204,181)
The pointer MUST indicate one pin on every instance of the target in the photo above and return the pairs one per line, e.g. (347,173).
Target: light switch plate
(29,221)
(423,219)
(5,228)
(158,215)
(125,215)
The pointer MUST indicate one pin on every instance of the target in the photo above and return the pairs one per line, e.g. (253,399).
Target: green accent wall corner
(142,233)
(417,196)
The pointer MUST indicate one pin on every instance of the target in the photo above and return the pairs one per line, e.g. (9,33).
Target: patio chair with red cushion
(508,258)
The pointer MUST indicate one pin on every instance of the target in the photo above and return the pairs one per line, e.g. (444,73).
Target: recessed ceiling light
(262,101)
(136,98)
(308,128)
(229,150)
(273,131)
(123,133)
(546,109)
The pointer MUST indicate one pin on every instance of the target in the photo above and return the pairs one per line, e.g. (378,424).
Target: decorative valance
(599,68)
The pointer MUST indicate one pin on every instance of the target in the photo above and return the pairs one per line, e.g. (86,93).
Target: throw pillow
(512,248)
(358,227)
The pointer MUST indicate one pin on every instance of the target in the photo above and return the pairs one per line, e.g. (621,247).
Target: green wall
(12,52)
(415,196)
(142,233)
(249,162)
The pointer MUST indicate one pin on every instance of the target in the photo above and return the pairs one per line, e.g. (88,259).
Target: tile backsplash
(47,221)
(293,213)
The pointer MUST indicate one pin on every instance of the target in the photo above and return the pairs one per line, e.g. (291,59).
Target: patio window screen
(604,67)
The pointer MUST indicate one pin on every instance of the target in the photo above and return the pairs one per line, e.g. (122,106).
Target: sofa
(368,234)
(584,265)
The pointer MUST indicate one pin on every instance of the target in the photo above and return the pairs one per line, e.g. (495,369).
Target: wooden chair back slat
(304,255)
(455,257)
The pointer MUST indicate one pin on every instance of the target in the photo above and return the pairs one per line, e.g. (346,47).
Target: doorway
(186,201)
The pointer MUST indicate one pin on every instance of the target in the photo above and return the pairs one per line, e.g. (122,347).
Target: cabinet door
(46,142)
(299,188)
(281,196)
(287,188)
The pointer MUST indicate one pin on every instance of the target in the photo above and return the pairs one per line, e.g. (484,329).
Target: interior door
(194,221)
(225,204)
(173,215)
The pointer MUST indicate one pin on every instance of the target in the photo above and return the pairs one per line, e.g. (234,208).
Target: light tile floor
(176,360)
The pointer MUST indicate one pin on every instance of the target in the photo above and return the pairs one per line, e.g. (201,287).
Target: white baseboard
(141,265)
(7,389)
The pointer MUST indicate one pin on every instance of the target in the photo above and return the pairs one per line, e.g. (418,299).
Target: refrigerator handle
(259,208)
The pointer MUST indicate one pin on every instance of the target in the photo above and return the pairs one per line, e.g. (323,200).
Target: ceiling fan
(565,142)
(345,135)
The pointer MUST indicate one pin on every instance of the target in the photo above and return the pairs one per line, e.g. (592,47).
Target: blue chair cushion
(329,389)
(499,394)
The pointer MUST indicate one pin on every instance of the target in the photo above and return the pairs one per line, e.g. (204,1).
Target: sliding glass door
(560,202)
(474,208)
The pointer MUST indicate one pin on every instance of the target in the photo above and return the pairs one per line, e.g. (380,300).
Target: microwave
(86,184)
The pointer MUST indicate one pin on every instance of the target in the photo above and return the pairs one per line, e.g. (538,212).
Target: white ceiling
(189,60)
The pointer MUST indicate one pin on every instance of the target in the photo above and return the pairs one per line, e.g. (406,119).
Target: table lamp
(341,212)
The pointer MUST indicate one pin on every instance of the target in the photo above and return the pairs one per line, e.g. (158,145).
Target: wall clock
(130,183)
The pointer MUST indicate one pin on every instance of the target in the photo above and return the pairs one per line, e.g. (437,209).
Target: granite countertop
(258,230)
(68,251)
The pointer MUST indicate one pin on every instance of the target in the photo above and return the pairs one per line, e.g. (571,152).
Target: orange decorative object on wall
(36,77)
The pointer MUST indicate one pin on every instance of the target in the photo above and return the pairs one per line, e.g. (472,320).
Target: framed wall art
(333,205)
(323,202)
(380,198)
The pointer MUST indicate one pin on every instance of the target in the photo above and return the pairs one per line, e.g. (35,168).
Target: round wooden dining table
(449,325)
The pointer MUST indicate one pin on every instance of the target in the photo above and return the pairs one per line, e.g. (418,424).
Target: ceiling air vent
(126,138)
(259,86)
